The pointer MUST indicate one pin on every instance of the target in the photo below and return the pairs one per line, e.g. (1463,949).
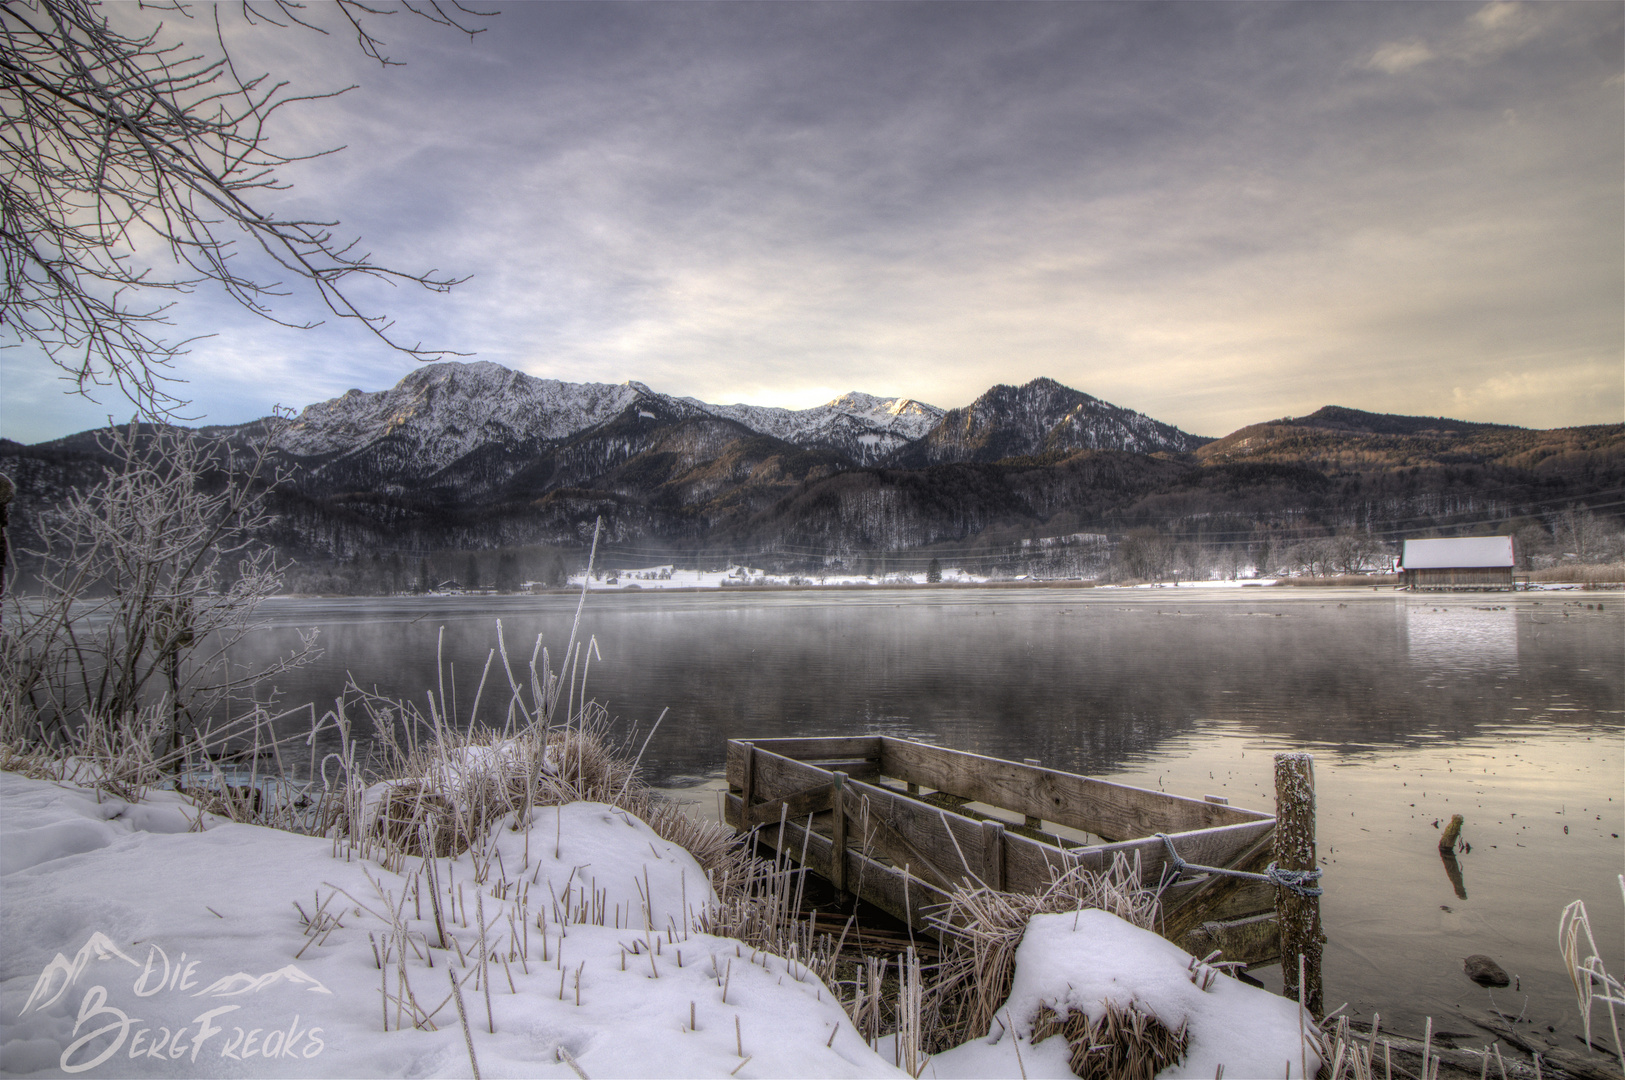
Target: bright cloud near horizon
(1216,214)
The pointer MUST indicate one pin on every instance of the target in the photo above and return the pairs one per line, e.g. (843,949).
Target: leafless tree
(134,167)
(148,580)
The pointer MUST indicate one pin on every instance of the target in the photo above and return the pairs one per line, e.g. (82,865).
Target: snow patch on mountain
(443,411)
(864,427)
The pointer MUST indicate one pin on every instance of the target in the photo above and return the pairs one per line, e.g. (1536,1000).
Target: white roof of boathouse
(1473,551)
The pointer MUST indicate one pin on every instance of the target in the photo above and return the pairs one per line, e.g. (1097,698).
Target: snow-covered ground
(670,577)
(142,941)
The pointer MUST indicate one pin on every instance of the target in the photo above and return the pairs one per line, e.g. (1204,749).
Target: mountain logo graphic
(99,947)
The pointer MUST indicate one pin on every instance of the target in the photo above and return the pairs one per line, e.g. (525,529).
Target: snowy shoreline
(147,939)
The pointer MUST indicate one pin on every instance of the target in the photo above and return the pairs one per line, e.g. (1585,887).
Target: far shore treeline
(1039,482)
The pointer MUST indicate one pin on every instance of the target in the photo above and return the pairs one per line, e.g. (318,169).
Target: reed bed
(1583,574)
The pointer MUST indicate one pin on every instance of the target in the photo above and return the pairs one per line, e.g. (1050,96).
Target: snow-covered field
(670,577)
(141,940)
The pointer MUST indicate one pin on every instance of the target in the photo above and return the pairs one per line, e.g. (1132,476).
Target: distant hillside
(1042,418)
(1337,418)
(1348,440)
(474,456)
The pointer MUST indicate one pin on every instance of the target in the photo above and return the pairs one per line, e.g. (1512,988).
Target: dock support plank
(837,862)
(993,855)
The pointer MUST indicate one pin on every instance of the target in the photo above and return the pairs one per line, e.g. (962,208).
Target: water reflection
(1461,638)
(1087,681)
(1512,717)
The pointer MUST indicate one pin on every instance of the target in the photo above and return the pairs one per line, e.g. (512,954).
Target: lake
(1507,709)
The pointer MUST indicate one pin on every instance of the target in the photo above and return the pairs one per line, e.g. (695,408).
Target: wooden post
(1452,833)
(837,851)
(747,785)
(1298,915)
(993,855)
(1032,822)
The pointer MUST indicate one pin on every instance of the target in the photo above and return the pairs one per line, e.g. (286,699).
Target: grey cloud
(1213,213)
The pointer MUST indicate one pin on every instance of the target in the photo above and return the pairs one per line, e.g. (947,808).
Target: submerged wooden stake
(1298,915)
(1452,833)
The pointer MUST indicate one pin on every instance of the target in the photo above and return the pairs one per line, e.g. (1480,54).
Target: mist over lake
(1507,709)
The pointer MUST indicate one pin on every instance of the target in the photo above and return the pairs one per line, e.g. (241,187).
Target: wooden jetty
(903,823)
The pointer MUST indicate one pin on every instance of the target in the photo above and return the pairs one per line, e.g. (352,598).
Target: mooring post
(837,850)
(1298,915)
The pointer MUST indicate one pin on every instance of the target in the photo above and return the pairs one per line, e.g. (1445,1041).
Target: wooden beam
(1030,821)
(837,863)
(839,746)
(1251,941)
(884,886)
(993,855)
(813,800)
(1218,896)
(1110,811)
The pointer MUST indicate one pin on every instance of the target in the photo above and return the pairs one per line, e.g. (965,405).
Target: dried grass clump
(981,929)
(1584,574)
(1124,1044)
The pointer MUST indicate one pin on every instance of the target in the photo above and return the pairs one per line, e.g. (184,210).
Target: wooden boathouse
(902,824)
(1462,564)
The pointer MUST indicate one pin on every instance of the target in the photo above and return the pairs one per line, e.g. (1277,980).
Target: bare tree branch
(117,150)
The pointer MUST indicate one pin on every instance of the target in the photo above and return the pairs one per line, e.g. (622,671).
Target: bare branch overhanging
(129,174)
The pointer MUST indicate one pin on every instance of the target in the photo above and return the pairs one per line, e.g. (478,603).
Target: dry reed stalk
(1592,982)
(981,929)
(1123,1044)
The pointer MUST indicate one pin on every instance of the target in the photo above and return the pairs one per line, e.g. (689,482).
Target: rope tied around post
(1298,881)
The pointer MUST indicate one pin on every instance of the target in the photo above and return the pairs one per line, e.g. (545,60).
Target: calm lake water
(1509,710)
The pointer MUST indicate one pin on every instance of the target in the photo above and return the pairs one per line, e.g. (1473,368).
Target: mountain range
(473,455)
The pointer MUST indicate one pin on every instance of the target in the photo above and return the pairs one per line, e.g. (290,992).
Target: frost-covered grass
(168,945)
(253,951)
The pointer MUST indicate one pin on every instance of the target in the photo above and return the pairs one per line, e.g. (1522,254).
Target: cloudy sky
(1213,213)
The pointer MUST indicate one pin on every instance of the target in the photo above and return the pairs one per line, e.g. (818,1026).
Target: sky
(1214,213)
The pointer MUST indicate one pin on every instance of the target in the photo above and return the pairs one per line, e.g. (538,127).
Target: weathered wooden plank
(993,855)
(747,771)
(775,776)
(879,835)
(1111,811)
(1030,821)
(887,887)
(813,800)
(955,852)
(957,804)
(1220,896)
(837,863)
(1028,865)
(1250,941)
(836,746)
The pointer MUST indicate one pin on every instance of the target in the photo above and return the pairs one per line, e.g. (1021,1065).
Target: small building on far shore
(1469,563)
